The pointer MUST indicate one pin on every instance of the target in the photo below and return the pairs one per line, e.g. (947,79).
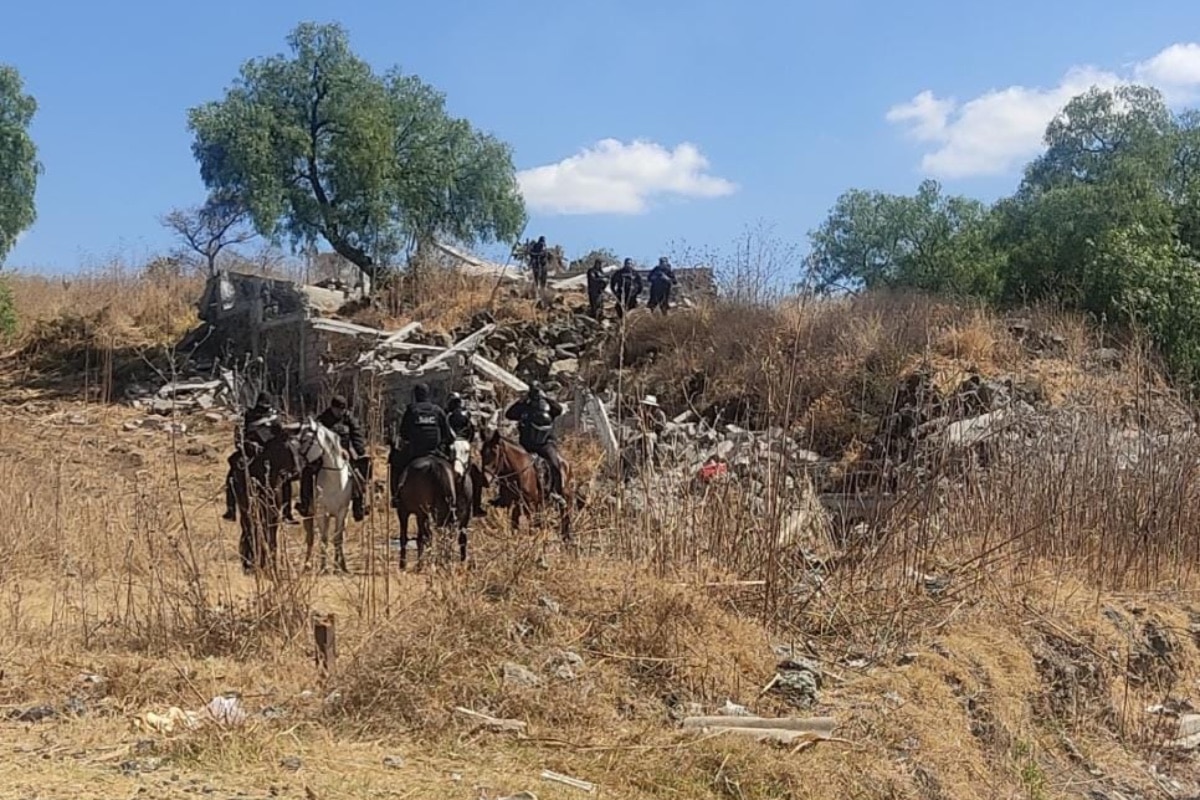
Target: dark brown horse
(425,488)
(522,481)
(259,491)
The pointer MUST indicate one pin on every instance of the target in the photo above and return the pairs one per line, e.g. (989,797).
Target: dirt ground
(121,595)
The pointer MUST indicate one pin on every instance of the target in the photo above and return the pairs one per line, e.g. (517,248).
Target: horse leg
(309,536)
(423,536)
(246,542)
(403,515)
(339,538)
(462,537)
(564,519)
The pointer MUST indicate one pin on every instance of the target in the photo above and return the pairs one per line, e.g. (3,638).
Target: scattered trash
(393,762)
(732,709)
(227,710)
(291,763)
(33,714)
(798,680)
(175,718)
(517,675)
(140,765)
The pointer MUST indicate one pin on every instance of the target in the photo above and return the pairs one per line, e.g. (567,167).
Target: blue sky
(661,122)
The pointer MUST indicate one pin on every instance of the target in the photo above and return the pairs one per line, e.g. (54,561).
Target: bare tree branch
(211,228)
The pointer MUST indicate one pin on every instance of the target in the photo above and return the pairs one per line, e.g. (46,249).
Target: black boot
(356,507)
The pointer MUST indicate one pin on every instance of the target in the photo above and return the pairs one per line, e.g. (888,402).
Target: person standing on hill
(595,288)
(537,262)
(662,280)
(626,284)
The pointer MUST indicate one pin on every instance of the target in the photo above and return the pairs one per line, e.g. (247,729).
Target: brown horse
(425,488)
(522,481)
(259,491)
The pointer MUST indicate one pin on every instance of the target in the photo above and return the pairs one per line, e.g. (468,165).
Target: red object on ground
(710,471)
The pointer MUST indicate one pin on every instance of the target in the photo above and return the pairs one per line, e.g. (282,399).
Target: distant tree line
(1106,221)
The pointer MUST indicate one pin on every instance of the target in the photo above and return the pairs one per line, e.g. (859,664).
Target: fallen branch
(567,780)
(494,723)
(819,725)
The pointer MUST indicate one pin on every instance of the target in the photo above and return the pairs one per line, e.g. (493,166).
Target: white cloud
(998,131)
(613,177)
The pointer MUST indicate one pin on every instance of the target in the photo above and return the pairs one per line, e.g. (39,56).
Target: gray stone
(567,367)
(517,675)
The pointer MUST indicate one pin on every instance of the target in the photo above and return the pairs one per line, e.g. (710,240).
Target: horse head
(489,453)
(308,438)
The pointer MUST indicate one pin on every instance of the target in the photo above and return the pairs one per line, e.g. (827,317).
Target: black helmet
(535,390)
(421,392)
(629,262)
(264,400)
(338,402)
(454,401)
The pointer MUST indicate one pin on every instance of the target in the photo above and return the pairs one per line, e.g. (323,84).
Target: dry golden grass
(113,562)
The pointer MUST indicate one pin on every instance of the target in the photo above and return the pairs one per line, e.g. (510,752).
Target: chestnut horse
(425,488)
(522,481)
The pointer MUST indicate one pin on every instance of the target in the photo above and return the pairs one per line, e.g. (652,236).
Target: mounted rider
(535,415)
(424,430)
(459,418)
(464,428)
(260,424)
(339,419)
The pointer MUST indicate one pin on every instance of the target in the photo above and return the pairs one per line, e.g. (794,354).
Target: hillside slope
(1023,623)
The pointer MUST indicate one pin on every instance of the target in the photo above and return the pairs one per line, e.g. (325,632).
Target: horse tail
(445,477)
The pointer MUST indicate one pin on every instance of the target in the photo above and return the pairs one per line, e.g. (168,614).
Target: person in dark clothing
(260,423)
(459,418)
(464,428)
(341,421)
(537,261)
(595,288)
(662,279)
(424,430)
(535,415)
(626,284)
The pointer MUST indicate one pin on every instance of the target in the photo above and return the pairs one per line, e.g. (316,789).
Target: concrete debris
(1187,736)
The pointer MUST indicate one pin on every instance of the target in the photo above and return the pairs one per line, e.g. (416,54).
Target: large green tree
(319,146)
(929,241)
(19,166)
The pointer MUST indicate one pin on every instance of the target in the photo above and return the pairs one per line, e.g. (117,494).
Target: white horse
(332,492)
